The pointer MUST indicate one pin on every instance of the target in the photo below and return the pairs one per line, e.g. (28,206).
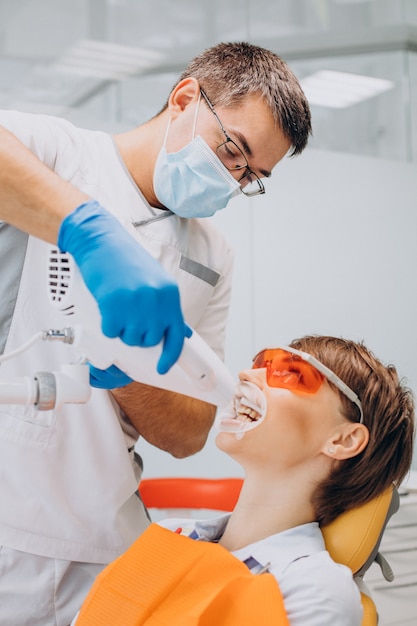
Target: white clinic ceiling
(56,52)
(58,56)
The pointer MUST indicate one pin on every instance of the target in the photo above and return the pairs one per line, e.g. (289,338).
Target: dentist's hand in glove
(138,300)
(111,378)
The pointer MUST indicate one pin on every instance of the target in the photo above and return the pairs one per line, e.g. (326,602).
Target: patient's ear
(349,441)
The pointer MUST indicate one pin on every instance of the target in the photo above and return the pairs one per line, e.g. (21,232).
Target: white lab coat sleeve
(48,137)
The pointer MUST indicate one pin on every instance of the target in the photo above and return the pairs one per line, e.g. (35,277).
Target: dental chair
(353,539)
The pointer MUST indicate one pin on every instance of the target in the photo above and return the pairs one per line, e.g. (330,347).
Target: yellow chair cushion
(351,538)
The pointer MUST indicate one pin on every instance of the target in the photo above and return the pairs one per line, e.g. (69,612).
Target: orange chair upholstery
(220,494)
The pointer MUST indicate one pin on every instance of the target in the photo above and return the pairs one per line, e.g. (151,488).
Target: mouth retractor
(246,411)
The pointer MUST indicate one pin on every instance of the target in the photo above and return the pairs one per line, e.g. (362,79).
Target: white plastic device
(198,373)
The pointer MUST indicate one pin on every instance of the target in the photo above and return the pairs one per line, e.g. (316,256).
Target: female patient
(319,427)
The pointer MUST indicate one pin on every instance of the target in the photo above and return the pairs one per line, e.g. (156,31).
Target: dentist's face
(250,125)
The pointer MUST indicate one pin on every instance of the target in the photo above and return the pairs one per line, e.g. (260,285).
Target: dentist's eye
(231,156)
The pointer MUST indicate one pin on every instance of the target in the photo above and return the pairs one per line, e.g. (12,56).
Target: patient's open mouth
(247,410)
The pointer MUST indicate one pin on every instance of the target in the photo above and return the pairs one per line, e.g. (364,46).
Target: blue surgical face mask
(193,182)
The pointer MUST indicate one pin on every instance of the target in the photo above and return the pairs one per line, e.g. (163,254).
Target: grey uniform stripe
(201,271)
(13,245)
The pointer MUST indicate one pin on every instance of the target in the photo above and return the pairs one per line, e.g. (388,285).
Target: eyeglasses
(295,370)
(233,159)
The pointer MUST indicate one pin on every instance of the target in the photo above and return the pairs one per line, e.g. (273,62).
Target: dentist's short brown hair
(228,72)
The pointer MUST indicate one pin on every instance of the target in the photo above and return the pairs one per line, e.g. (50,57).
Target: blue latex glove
(138,300)
(111,378)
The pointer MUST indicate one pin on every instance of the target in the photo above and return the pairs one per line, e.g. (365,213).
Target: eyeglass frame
(246,168)
(325,371)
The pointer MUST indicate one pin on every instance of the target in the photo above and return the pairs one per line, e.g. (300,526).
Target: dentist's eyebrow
(247,150)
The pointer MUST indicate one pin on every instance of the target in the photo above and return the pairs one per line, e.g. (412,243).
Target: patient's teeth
(246,411)
(250,413)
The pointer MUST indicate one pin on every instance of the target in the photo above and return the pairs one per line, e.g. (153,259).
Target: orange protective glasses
(292,369)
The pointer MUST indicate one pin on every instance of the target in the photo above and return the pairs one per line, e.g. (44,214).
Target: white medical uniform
(67,479)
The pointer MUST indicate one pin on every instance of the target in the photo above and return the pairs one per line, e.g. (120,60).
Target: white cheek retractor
(247,395)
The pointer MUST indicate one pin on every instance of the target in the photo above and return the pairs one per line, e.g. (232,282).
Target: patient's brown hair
(388,409)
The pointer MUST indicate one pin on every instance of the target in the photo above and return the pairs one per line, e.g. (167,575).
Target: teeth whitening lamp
(198,373)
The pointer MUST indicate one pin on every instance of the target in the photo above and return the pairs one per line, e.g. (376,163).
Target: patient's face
(295,429)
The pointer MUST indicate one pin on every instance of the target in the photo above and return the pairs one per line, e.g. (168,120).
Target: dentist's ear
(349,441)
(184,93)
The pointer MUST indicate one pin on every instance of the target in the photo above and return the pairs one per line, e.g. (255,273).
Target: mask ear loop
(194,123)
(195,116)
(166,134)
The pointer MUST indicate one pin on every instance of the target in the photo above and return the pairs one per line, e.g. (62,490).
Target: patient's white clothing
(316,590)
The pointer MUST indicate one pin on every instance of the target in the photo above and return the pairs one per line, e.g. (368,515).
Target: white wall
(331,248)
